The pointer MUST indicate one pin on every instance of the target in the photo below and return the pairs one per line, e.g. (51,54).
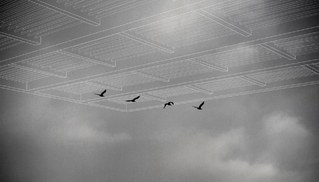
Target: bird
(134,99)
(200,106)
(102,93)
(170,103)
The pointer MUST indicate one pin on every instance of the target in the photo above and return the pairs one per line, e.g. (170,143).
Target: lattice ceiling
(183,51)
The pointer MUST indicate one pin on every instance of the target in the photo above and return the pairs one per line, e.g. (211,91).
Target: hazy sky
(265,137)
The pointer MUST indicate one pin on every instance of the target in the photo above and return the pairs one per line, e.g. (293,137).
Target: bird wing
(103,92)
(202,104)
(136,97)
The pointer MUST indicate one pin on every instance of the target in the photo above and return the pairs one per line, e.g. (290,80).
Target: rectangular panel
(28,22)
(282,74)
(225,84)
(68,10)
(241,56)
(80,88)
(171,92)
(300,45)
(7,43)
(124,79)
(183,30)
(10,32)
(19,75)
(260,14)
(67,96)
(114,48)
(57,62)
(177,69)
(224,21)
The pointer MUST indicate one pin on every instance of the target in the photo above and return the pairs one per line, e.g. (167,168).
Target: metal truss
(203,50)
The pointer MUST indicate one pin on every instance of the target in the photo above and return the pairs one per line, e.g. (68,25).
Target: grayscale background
(253,62)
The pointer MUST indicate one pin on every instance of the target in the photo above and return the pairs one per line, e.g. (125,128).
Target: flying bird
(170,103)
(200,106)
(134,99)
(102,93)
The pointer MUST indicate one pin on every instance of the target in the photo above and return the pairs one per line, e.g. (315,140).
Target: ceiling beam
(277,50)
(253,81)
(88,58)
(105,85)
(12,33)
(138,38)
(312,68)
(199,89)
(210,65)
(234,26)
(154,77)
(68,11)
(45,71)
(154,97)
(296,28)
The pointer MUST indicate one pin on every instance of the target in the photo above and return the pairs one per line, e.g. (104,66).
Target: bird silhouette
(102,93)
(170,103)
(134,99)
(200,106)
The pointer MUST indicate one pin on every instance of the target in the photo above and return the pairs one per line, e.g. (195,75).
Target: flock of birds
(170,103)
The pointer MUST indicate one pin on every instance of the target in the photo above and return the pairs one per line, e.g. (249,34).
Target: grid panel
(256,14)
(19,75)
(183,30)
(114,48)
(58,62)
(299,45)
(101,9)
(177,69)
(6,43)
(282,74)
(28,18)
(224,84)
(171,92)
(240,57)
(124,80)
(80,88)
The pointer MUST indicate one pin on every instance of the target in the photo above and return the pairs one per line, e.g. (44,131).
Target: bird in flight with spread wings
(134,99)
(170,103)
(200,106)
(102,93)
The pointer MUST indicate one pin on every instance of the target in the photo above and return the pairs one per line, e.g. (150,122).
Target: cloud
(226,156)
(217,156)
(283,124)
(287,140)
(75,129)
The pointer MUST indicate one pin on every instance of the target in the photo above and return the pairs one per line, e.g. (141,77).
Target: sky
(264,137)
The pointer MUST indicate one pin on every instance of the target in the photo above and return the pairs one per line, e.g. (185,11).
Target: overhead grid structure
(182,51)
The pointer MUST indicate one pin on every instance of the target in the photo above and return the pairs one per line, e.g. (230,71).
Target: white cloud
(227,155)
(203,152)
(76,130)
(283,124)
